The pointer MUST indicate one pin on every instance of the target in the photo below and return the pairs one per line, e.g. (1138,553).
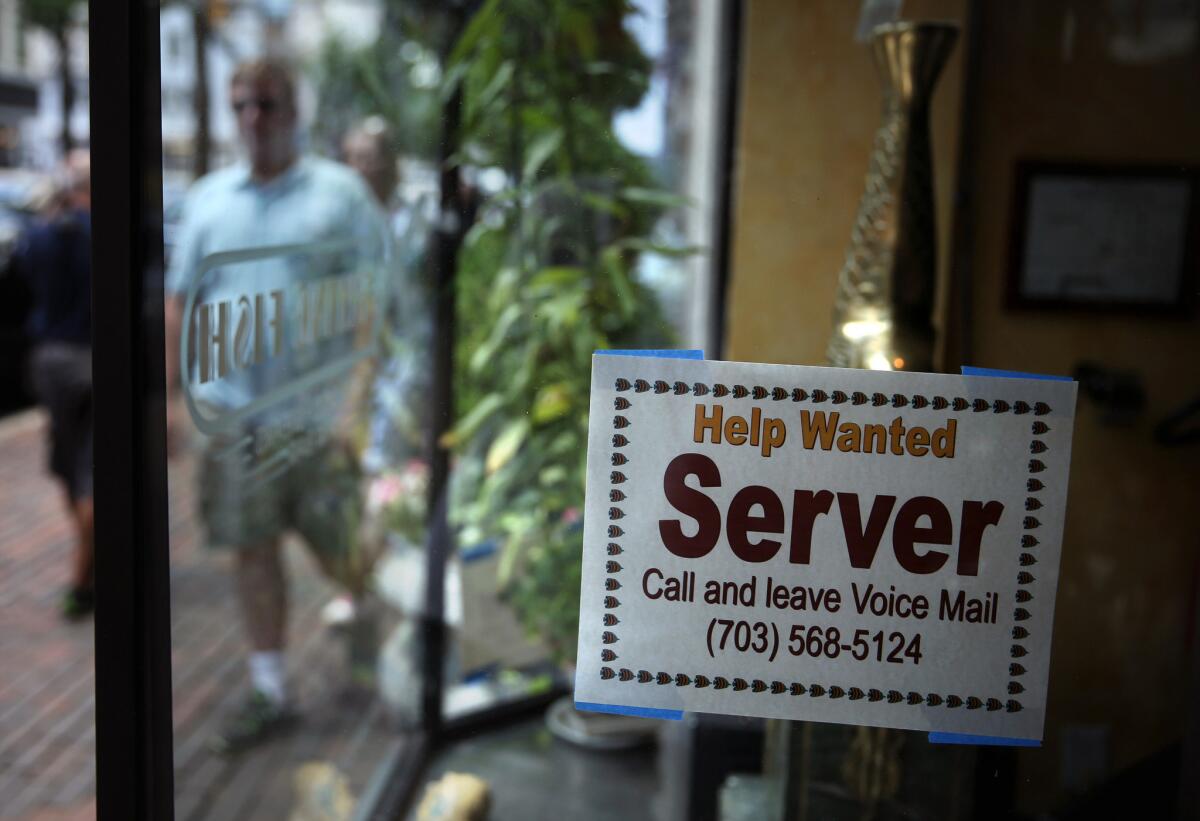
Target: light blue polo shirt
(313,203)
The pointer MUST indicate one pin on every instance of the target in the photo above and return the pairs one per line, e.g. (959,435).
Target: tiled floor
(47,739)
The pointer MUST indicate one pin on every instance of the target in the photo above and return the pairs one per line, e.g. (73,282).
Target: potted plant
(546,277)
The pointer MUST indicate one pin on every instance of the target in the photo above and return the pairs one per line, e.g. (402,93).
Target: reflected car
(15,304)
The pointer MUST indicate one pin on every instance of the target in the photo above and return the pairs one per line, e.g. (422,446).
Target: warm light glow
(857,329)
(898,362)
(878,362)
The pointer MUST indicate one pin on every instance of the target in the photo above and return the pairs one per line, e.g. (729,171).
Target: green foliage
(546,276)
(547,273)
(395,77)
(52,15)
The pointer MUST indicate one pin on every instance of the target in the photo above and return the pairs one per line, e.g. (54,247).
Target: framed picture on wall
(1105,237)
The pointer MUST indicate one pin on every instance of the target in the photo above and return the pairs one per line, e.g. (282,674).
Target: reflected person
(276,196)
(399,416)
(54,256)
(396,384)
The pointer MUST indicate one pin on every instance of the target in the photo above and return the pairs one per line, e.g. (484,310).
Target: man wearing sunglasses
(275,198)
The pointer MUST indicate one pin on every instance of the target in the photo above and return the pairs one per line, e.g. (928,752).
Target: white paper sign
(823,544)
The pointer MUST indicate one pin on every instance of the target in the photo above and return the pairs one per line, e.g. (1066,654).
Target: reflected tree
(56,17)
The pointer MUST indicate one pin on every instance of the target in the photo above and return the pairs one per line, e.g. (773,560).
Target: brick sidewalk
(47,737)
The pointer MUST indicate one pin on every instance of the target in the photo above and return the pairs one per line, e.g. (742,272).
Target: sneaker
(338,613)
(257,720)
(77,603)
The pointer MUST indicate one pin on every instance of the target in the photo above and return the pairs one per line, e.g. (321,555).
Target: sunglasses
(265,105)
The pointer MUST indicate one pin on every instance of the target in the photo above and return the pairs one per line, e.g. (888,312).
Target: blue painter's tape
(640,712)
(971,370)
(982,740)
(657,353)
(478,551)
(481,673)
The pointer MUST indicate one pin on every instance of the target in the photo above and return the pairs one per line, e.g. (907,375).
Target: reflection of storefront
(473,695)
(18,100)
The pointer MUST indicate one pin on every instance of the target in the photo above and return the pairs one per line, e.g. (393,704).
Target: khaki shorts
(318,495)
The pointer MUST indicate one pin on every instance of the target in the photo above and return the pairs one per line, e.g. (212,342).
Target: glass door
(392,235)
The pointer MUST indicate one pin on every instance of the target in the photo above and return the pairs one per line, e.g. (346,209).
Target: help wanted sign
(822,544)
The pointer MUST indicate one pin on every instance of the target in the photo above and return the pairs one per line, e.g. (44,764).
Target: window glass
(348,190)
(297,224)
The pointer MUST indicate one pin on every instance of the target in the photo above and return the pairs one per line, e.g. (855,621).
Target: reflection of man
(276,197)
(367,148)
(399,412)
(396,389)
(55,257)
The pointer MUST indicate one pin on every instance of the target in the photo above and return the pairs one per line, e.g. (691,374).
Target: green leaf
(606,204)
(562,312)
(650,247)
(541,150)
(552,402)
(368,72)
(484,353)
(557,277)
(506,444)
(579,25)
(614,266)
(546,233)
(509,556)
(477,233)
(600,67)
(470,423)
(497,84)
(552,475)
(651,196)
(565,443)
(486,22)
(452,79)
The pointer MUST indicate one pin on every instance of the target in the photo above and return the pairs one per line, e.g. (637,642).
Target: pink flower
(383,491)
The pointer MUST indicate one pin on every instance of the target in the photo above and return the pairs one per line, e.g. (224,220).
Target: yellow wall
(809,107)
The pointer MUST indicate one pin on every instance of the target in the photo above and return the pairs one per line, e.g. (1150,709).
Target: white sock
(267,674)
